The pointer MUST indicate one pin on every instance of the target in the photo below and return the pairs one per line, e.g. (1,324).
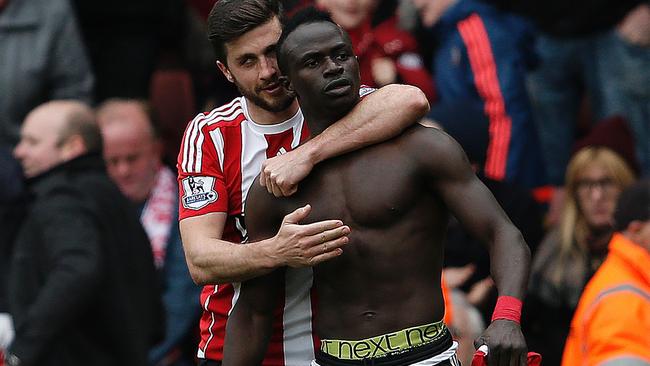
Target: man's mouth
(272,88)
(338,87)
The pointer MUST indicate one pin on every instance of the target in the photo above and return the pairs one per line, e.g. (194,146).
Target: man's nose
(332,68)
(18,151)
(268,68)
(122,169)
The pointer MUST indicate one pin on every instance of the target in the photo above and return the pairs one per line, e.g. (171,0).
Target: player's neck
(266,117)
(319,119)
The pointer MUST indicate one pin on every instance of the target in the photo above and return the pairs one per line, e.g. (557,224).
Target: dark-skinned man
(380,301)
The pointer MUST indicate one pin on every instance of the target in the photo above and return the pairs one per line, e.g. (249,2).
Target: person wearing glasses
(572,251)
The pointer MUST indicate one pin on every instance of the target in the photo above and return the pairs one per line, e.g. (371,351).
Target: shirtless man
(224,149)
(380,301)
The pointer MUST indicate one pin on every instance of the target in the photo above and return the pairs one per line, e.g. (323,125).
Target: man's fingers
(330,254)
(287,189)
(269,185)
(478,342)
(523,358)
(493,357)
(292,189)
(519,359)
(275,189)
(456,276)
(297,215)
(264,175)
(320,226)
(326,236)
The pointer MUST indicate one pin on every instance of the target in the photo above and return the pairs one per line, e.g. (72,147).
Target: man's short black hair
(305,16)
(230,19)
(633,204)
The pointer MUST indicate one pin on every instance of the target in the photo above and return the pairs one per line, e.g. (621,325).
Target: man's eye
(311,63)
(247,62)
(342,56)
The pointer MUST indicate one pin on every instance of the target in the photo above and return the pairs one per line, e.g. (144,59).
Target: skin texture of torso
(395,197)
(388,277)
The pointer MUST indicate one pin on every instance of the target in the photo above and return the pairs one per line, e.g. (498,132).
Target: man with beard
(380,302)
(222,152)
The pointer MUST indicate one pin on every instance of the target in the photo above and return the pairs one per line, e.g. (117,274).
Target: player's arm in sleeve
(381,115)
(203,211)
(449,174)
(249,327)
(212,260)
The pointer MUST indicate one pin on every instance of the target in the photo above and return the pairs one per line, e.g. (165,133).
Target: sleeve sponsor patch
(198,192)
(365,90)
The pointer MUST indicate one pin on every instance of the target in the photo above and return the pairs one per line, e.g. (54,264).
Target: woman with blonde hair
(571,253)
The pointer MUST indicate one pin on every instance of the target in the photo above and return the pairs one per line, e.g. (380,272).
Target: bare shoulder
(433,147)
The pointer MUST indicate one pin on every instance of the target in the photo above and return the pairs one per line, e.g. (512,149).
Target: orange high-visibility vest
(612,320)
(446,296)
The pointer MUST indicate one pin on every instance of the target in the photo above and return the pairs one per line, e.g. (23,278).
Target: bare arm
(479,213)
(475,207)
(378,117)
(212,260)
(249,327)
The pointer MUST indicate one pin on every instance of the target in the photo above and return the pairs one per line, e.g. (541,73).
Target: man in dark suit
(82,285)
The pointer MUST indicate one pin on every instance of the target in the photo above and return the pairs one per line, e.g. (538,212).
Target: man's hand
(457,276)
(281,174)
(308,245)
(384,71)
(506,344)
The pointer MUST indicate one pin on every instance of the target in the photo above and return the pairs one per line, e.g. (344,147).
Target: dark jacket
(483,58)
(82,286)
(12,210)
(566,19)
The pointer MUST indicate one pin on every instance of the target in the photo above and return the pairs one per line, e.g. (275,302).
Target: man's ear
(72,147)
(226,72)
(635,226)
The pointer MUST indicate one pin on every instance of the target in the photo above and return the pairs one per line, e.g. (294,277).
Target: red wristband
(508,308)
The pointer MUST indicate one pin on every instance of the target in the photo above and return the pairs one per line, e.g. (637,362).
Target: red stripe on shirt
(481,58)
(232,167)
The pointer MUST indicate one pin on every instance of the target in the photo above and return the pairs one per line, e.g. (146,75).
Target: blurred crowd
(550,100)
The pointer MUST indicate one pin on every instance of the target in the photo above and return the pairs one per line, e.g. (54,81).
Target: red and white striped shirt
(221,154)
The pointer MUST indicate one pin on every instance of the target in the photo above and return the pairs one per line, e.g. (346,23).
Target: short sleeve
(201,181)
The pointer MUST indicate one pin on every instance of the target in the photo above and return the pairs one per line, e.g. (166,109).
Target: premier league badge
(198,192)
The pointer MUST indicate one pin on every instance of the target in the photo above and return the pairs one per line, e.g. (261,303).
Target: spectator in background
(82,284)
(42,58)
(133,155)
(483,56)
(571,253)
(612,322)
(598,49)
(386,53)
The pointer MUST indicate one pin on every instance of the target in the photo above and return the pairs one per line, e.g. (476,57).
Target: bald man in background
(82,283)
(133,156)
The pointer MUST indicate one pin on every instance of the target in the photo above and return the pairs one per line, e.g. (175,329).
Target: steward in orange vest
(611,325)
